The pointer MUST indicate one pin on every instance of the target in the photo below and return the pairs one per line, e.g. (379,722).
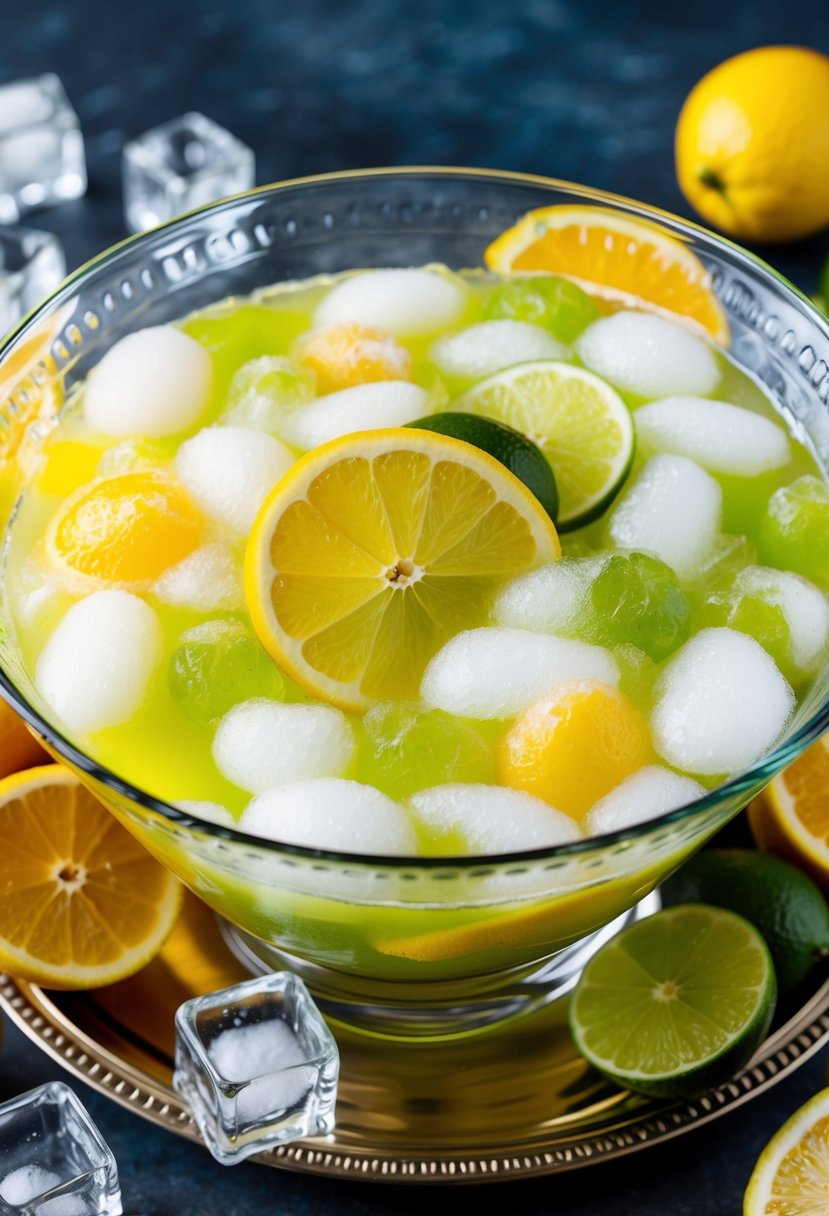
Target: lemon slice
(792,1173)
(378,547)
(629,259)
(81,902)
(579,422)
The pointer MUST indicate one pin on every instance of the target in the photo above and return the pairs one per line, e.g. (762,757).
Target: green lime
(675,1003)
(581,425)
(514,450)
(780,901)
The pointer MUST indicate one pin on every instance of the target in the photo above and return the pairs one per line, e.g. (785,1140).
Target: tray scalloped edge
(40,1020)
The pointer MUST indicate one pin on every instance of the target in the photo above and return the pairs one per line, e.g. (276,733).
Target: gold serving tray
(509,1103)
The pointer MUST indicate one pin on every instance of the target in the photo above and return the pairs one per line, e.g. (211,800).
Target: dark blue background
(577,89)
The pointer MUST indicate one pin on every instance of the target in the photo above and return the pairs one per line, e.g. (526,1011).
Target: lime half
(675,1003)
(580,423)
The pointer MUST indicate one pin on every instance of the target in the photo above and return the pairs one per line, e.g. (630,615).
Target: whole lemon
(752,144)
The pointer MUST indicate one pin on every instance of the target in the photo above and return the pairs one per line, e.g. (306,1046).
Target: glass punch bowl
(401,947)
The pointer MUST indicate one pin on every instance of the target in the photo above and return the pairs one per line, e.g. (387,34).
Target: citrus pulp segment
(791,816)
(676,1002)
(577,420)
(574,745)
(791,1177)
(616,254)
(375,549)
(81,902)
(124,531)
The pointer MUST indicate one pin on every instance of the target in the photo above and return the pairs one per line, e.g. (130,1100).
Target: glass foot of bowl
(447,1009)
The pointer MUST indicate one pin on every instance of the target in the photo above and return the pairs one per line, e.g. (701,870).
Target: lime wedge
(675,1003)
(580,423)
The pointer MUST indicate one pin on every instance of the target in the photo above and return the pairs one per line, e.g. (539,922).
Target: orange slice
(614,255)
(375,549)
(81,902)
(791,816)
(18,746)
(574,745)
(346,354)
(124,531)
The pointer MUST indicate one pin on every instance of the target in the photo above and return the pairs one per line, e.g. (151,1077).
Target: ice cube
(403,302)
(257,1066)
(646,794)
(55,1162)
(802,614)
(154,382)
(648,356)
(477,819)
(496,672)
(365,407)
(264,392)
(269,1050)
(31,265)
(210,812)
(405,747)
(485,348)
(218,664)
(721,704)
(228,471)
(673,510)
(97,664)
(794,532)
(41,147)
(552,599)
(721,437)
(331,813)
(728,555)
(261,744)
(206,581)
(179,166)
(30,1182)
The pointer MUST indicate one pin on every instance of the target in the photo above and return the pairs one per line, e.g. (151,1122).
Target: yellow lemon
(81,902)
(574,745)
(752,144)
(375,549)
(791,1178)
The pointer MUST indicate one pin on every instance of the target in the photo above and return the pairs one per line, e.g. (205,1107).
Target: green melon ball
(405,748)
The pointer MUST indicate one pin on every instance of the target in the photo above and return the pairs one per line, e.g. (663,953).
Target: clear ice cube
(54,1160)
(31,265)
(183,164)
(41,147)
(257,1066)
